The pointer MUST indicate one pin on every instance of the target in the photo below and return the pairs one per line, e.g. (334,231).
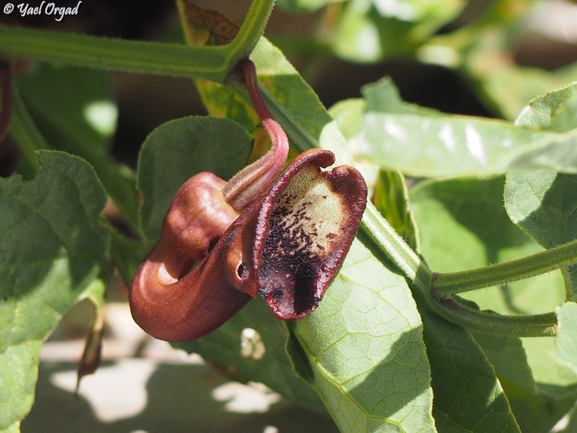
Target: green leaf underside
(543,203)
(365,347)
(179,149)
(53,252)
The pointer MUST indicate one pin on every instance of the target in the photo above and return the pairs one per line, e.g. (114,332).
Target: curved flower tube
(287,239)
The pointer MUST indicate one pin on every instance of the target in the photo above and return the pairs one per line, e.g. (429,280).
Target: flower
(284,235)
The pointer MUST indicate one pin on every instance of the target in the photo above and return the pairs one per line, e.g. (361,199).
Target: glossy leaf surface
(422,142)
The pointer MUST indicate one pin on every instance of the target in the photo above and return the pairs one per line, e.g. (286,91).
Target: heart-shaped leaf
(53,252)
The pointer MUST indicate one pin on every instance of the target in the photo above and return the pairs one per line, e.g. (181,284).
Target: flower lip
(304,230)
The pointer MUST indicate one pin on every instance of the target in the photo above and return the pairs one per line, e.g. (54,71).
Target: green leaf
(554,111)
(535,409)
(508,358)
(543,203)
(370,30)
(468,396)
(434,146)
(179,149)
(75,111)
(77,103)
(424,142)
(567,335)
(222,102)
(472,211)
(293,103)
(391,199)
(53,252)
(558,152)
(366,350)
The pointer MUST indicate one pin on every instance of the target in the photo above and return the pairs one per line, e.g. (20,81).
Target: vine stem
(506,272)
(208,63)
(420,277)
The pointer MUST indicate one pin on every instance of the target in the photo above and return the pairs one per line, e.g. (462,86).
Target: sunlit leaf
(424,142)
(554,111)
(365,349)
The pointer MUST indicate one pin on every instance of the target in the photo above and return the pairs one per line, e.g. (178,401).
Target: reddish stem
(254,179)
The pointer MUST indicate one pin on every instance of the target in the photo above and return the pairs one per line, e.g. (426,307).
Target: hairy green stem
(396,249)
(538,325)
(506,272)
(208,63)
(421,277)
(114,54)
